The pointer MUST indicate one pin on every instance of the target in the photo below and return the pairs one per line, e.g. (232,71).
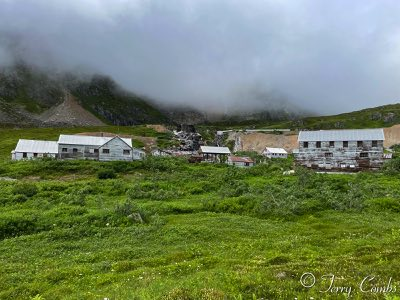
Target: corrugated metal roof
(36,146)
(240,159)
(88,140)
(342,135)
(275,150)
(215,150)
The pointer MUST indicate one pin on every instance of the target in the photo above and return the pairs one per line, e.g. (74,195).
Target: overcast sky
(325,56)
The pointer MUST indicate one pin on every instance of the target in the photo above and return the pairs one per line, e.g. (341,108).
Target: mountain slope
(102,96)
(69,112)
(32,97)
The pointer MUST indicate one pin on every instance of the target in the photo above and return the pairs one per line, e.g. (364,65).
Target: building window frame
(360,144)
(374,144)
(318,144)
(364,155)
(126,152)
(74,150)
(345,144)
(331,144)
(305,144)
(106,151)
(64,150)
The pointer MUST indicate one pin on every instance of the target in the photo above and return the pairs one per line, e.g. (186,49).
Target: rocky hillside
(32,97)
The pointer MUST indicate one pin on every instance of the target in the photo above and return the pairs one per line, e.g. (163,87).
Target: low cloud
(323,56)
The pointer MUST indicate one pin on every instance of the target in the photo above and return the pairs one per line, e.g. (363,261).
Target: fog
(225,55)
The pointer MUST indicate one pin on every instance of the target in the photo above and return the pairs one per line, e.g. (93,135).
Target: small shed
(240,161)
(214,154)
(275,152)
(27,149)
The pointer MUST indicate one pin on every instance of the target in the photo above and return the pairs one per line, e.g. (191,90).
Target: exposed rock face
(376,116)
(389,117)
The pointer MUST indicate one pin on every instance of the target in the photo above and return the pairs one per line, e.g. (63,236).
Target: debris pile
(189,139)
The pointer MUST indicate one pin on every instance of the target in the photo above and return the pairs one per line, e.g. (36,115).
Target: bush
(392,166)
(106,174)
(27,189)
(381,204)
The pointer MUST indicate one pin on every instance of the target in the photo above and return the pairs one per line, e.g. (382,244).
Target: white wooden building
(240,161)
(29,149)
(80,147)
(275,152)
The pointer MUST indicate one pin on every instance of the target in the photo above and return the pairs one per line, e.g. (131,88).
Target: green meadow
(166,229)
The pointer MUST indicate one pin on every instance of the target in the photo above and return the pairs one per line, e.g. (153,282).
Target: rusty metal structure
(351,150)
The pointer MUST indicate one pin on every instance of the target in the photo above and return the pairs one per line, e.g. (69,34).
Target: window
(64,150)
(106,151)
(331,144)
(246,164)
(318,145)
(24,155)
(374,143)
(305,144)
(34,154)
(328,154)
(96,150)
(359,144)
(345,144)
(75,150)
(127,152)
(364,154)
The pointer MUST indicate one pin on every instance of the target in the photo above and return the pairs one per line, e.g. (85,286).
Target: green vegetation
(106,100)
(166,229)
(382,116)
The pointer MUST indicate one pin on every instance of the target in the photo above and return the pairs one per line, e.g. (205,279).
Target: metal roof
(276,150)
(36,146)
(215,150)
(88,140)
(240,159)
(342,135)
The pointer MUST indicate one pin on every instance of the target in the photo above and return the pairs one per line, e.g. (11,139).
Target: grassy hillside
(382,116)
(377,117)
(167,229)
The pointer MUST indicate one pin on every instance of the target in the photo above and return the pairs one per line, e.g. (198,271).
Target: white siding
(116,149)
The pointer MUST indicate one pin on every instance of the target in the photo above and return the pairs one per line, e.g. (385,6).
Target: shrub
(380,204)
(392,166)
(106,174)
(27,189)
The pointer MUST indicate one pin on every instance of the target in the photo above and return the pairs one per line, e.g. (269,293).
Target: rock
(136,218)
(339,124)
(376,116)
(389,117)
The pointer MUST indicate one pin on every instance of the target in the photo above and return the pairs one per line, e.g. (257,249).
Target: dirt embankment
(392,135)
(257,141)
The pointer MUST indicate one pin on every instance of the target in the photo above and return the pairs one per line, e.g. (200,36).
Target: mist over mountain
(218,56)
